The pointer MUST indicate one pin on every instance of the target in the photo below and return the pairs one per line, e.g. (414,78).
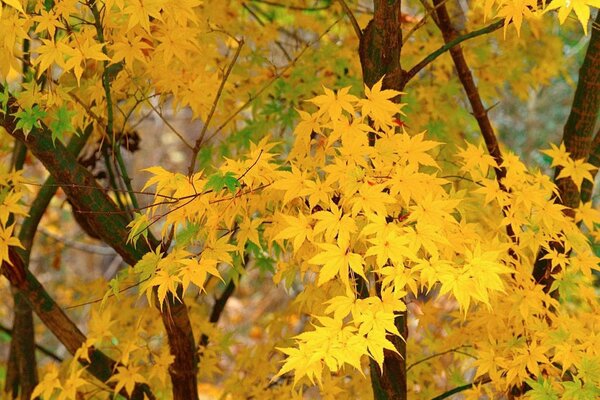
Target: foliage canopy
(370,204)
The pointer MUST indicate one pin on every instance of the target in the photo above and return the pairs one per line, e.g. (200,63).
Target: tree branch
(481,381)
(466,78)
(594,158)
(111,226)
(352,18)
(198,144)
(65,330)
(39,347)
(577,136)
(449,45)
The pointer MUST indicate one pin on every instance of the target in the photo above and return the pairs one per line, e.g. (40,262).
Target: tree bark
(578,135)
(379,50)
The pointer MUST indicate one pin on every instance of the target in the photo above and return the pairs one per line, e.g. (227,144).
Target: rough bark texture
(579,128)
(578,135)
(110,225)
(594,158)
(380,46)
(379,50)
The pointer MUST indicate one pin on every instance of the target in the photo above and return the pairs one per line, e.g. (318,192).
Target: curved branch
(450,45)
(465,76)
(352,18)
(480,381)
(39,347)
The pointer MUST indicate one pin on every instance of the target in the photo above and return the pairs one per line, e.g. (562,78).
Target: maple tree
(415,251)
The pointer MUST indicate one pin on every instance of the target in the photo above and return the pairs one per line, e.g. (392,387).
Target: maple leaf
(29,118)
(13,3)
(219,250)
(51,52)
(298,228)
(379,106)
(581,8)
(476,158)
(6,240)
(514,11)
(61,123)
(140,12)
(336,260)
(195,271)
(72,385)
(166,282)
(577,170)
(588,214)
(138,227)
(392,246)
(48,384)
(541,390)
(126,377)
(332,103)
(130,48)
(335,224)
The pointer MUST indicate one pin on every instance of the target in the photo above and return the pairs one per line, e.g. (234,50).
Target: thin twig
(453,350)
(449,45)
(352,18)
(261,23)
(98,300)
(41,348)
(480,381)
(270,82)
(429,12)
(88,248)
(291,7)
(198,144)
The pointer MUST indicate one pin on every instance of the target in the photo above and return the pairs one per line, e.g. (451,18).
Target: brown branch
(479,111)
(39,347)
(594,158)
(65,330)
(83,192)
(291,7)
(577,136)
(352,18)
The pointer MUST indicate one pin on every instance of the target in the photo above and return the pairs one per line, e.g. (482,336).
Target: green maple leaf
(541,390)
(576,390)
(219,181)
(4,96)
(29,118)
(61,123)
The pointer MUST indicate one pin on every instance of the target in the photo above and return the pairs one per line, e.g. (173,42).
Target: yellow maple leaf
(588,214)
(336,260)
(581,8)
(13,3)
(379,106)
(6,240)
(559,154)
(577,170)
(299,229)
(49,383)
(195,271)
(126,377)
(335,225)
(332,103)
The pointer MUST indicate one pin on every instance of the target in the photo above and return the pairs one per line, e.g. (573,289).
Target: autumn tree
(344,155)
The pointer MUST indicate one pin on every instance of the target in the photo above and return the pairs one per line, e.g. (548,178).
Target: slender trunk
(379,51)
